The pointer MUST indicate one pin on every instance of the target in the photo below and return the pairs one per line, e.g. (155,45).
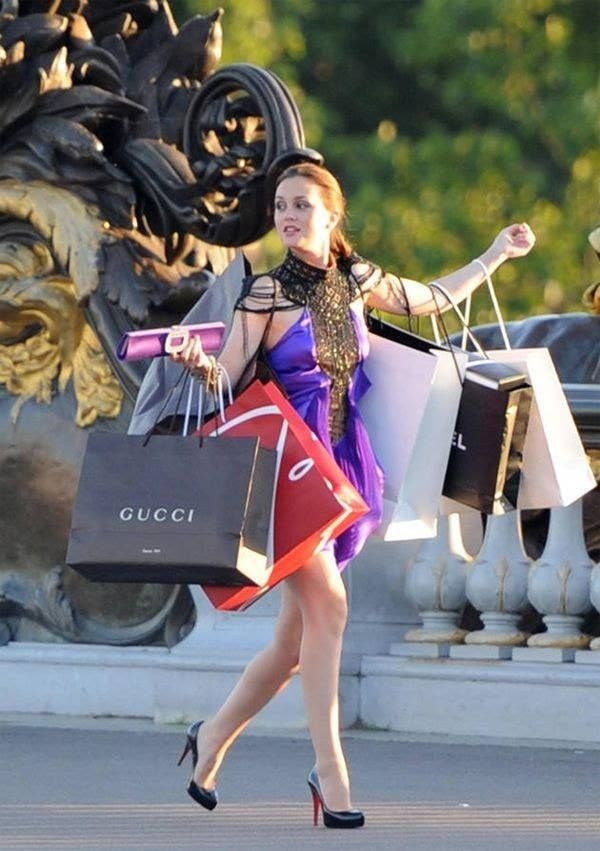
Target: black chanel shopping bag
(484,466)
(168,510)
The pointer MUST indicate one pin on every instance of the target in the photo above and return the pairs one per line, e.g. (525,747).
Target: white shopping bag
(555,468)
(410,412)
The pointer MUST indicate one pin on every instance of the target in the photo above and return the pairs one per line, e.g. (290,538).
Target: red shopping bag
(314,501)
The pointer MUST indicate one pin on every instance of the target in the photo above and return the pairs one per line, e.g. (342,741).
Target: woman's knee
(327,611)
(321,594)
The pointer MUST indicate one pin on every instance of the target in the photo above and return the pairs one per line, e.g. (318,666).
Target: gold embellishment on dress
(328,293)
(337,346)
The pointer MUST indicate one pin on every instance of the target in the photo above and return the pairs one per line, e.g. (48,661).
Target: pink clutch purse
(156,342)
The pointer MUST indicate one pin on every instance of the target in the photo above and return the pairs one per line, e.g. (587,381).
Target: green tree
(446,121)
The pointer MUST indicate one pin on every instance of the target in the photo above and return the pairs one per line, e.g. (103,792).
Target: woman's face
(301,218)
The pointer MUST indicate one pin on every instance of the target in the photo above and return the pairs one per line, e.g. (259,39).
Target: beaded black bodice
(328,294)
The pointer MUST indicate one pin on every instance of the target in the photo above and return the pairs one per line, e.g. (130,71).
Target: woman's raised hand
(515,241)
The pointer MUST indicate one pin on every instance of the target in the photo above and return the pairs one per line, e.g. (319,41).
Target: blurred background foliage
(446,121)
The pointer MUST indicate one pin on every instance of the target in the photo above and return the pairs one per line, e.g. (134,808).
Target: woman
(307,315)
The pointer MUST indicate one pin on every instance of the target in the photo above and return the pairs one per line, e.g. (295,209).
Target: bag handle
(188,407)
(466,320)
(216,383)
(219,390)
(184,376)
(168,397)
(495,303)
(202,407)
(468,303)
(218,395)
(462,318)
(447,339)
(435,328)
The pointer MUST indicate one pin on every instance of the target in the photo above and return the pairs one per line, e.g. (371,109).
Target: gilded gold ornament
(44,338)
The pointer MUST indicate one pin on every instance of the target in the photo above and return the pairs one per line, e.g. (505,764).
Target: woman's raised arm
(407,296)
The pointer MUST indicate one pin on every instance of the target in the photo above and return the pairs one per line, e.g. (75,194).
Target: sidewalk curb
(145,725)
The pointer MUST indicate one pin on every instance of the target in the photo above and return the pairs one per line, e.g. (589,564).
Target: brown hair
(333,198)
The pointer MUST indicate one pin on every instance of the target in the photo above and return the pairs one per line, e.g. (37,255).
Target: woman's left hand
(515,240)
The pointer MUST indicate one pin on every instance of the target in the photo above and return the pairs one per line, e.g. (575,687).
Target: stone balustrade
(501,580)
(519,675)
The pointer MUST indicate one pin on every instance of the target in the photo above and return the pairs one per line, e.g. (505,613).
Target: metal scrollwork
(107,224)
(237,127)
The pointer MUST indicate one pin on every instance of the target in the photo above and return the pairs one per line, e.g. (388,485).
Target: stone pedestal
(559,583)
(497,583)
(435,584)
(595,599)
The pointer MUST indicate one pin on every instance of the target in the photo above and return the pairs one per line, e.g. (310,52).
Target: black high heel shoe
(331,818)
(207,798)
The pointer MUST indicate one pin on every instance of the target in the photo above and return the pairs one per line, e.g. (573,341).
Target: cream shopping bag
(410,413)
(555,468)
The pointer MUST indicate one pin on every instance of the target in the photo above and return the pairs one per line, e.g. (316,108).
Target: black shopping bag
(400,335)
(167,510)
(485,460)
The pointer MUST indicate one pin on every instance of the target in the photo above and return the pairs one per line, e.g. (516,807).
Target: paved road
(114,785)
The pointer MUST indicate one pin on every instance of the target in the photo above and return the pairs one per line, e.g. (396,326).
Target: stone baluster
(559,582)
(435,584)
(497,582)
(595,598)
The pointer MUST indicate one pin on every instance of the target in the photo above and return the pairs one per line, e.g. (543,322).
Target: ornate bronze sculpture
(129,168)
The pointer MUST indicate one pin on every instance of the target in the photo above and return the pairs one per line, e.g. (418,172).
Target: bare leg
(266,675)
(321,594)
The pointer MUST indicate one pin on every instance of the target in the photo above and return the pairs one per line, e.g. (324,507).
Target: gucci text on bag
(159,515)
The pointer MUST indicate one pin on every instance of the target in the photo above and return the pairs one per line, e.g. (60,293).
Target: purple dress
(294,360)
